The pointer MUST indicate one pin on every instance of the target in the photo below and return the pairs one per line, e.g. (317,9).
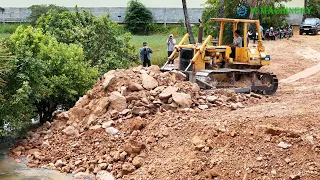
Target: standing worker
(261,31)
(145,55)
(171,42)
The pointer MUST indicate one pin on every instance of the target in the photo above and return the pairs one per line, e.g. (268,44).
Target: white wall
(295,3)
(102,3)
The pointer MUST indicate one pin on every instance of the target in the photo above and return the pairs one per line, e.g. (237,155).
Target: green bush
(138,18)
(40,10)
(45,75)
(104,42)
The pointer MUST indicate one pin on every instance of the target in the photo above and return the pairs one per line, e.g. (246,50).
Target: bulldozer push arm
(177,48)
(197,58)
(184,39)
(199,64)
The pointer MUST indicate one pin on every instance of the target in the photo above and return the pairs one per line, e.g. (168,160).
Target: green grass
(4,35)
(10,27)
(158,45)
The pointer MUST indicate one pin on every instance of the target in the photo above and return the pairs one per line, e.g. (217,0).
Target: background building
(164,11)
(104,3)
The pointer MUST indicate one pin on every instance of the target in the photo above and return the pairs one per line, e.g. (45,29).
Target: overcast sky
(101,3)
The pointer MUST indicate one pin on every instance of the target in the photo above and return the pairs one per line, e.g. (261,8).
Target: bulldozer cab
(243,54)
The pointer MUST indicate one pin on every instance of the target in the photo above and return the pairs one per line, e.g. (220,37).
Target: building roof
(105,3)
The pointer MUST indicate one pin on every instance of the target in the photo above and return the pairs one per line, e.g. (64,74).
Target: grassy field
(158,45)
(4,35)
(156,42)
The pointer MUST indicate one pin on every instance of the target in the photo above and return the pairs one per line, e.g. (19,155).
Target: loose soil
(272,137)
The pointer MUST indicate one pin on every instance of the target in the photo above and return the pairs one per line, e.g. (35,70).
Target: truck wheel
(300,32)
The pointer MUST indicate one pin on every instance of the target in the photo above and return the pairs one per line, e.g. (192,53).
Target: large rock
(284,145)
(212,99)
(148,82)
(63,116)
(104,175)
(45,143)
(70,131)
(195,88)
(179,75)
(107,124)
(131,98)
(92,118)
(117,101)
(18,149)
(134,147)
(182,99)
(59,163)
(154,68)
(137,110)
(166,93)
(102,166)
(135,86)
(112,72)
(128,168)
(203,107)
(101,106)
(159,89)
(95,127)
(108,80)
(137,161)
(168,107)
(112,130)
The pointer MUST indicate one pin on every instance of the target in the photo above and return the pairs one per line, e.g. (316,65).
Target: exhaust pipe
(200,32)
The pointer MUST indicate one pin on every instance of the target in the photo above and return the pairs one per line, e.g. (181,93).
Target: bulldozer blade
(237,90)
(163,67)
(168,69)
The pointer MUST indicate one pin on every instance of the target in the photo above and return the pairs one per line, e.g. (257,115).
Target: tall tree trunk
(305,6)
(187,22)
(221,14)
(45,111)
(259,14)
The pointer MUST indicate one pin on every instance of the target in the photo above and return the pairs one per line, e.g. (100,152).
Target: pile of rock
(103,133)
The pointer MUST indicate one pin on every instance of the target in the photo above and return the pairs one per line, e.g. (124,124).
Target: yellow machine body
(209,59)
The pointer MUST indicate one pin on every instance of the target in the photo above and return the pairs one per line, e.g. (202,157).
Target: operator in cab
(237,42)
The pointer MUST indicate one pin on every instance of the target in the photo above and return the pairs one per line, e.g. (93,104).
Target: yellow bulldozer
(212,67)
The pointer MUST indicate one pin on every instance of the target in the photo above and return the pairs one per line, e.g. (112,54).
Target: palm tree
(187,22)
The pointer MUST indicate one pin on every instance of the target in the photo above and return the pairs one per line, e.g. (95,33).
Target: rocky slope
(113,129)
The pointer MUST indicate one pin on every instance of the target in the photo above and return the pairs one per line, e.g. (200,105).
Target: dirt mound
(120,122)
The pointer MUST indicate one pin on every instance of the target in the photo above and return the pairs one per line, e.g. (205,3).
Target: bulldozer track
(263,77)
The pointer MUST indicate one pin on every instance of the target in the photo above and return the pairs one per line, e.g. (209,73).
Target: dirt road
(246,142)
